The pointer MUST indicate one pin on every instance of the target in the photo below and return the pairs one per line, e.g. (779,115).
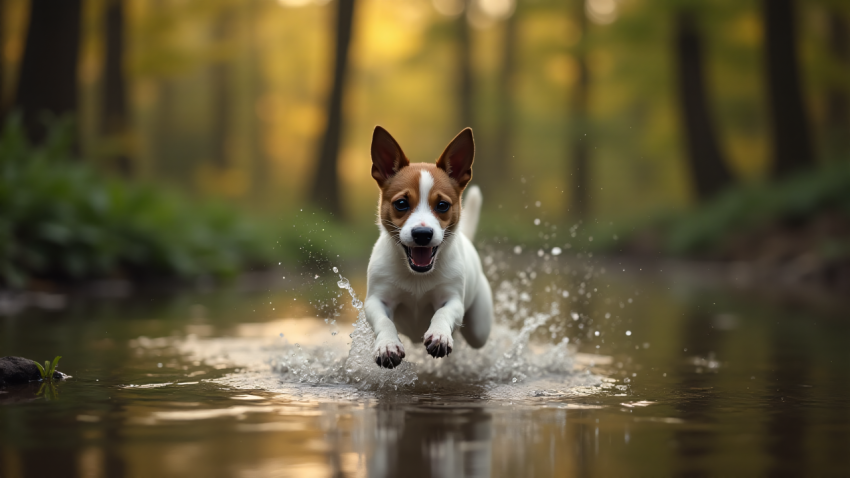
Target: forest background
(659,127)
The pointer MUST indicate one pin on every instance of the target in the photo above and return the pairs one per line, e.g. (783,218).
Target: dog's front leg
(438,338)
(388,348)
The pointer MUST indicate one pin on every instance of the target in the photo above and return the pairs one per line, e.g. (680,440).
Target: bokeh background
(181,138)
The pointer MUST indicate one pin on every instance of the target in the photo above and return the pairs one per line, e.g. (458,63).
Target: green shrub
(749,207)
(62,220)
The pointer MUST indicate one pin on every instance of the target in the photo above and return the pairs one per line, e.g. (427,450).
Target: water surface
(594,369)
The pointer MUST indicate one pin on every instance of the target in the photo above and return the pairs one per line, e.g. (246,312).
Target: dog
(424,273)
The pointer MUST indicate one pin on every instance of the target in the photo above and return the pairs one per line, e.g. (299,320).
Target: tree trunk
(164,163)
(47,81)
(709,170)
(326,184)
(260,165)
(792,149)
(837,103)
(579,124)
(501,164)
(464,66)
(221,85)
(2,64)
(114,122)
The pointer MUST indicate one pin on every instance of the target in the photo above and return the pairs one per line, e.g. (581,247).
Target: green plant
(63,220)
(48,369)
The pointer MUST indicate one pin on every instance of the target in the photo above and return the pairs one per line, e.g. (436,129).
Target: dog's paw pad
(438,344)
(389,354)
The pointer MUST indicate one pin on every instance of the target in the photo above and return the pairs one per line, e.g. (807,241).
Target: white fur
(454,293)
(422,215)
(471,212)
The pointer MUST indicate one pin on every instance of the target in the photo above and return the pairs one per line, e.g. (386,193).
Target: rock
(20,370)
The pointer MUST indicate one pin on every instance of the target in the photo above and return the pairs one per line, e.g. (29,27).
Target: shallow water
(594,369)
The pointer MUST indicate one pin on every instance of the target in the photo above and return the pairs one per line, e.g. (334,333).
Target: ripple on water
(511,366)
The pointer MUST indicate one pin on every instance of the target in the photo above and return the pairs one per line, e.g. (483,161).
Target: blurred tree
(837,103)
(326,183)
(220,79)
(507,96)
(47,81)
(709,170)
(2,62)
(255,90)
(792,147)
(579,124)
(464,66)
(114,121)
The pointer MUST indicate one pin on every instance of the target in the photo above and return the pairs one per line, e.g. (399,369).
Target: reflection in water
(786,397)
(698,401)
(759,390)
(431,441)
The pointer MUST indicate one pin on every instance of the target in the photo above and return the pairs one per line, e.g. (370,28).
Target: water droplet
(575,317)
(537,222)
(335,270)
(628,332)
(556,251)
(517,250)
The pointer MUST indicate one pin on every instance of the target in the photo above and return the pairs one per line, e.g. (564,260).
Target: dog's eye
(442,206)
(401,205)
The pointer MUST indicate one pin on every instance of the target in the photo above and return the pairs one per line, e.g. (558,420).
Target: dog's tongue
(421,256)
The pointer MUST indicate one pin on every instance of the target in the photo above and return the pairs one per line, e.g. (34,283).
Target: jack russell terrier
(423,275)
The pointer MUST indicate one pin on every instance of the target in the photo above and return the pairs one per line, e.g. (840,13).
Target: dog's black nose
(422,235)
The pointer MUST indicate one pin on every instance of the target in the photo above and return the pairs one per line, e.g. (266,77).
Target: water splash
(360,367)
(531,351)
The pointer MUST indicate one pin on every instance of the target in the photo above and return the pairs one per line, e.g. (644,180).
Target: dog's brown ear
(387,156)
(457,159)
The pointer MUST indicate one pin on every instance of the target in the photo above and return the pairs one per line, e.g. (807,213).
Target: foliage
(62,220)
(48,369)
(741,210)
(748,208)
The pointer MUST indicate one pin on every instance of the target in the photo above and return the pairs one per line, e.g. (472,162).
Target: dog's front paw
(438,344)
(388,353)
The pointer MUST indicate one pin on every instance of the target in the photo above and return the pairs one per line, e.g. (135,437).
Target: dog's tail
(471,212)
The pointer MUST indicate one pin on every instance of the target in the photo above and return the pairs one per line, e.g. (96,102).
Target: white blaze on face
(422,215)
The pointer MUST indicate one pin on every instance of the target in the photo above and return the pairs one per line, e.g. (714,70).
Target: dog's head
(420,202)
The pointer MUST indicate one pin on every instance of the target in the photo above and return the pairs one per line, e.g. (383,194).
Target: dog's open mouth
(421,259)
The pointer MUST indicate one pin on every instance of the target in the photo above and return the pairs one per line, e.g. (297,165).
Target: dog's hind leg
(479,317)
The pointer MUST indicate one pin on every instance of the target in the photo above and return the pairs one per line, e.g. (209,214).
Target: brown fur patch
(405,185)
